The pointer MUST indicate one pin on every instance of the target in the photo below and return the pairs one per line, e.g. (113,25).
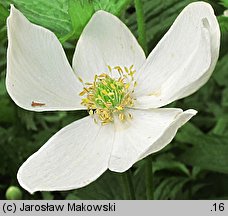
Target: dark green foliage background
(193,166)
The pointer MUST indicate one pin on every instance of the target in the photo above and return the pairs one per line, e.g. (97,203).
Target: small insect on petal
(36,104)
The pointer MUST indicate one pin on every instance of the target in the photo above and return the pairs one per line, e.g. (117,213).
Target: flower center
(107,96)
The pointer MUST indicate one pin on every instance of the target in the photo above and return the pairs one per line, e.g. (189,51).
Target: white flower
(39,78)
(225,13)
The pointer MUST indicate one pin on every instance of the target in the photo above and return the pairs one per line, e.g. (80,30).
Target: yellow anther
(120,108)
(80,79)
(85,100)
(104,92)
(112,86)
(109,68)
(131,67)
(82,93)
(93,107)
(103,75)
(90,96)
(122,117)
(104,83)
(91,112)
(119,83)
(132,73)
(108,105)
(119,69)
(130,115)
(127,86)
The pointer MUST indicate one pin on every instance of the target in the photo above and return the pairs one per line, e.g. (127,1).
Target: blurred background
(193,166)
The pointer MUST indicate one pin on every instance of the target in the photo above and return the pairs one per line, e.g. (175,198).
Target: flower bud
(13,193)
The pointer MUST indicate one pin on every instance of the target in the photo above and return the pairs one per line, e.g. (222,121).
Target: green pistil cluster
(109,93)
(106,96)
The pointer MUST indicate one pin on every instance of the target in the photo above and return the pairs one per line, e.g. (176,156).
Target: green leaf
(79,13)
(223,23)
(221,127)
(2,86)
(50,14)
(159,16)
(4,14)
(225,3)
(28,118)
(225,97)
(7,112)
(186,132)
(171,166)
(170,187)
(66,18)
(108,186)
(220,74)
(207,152)
(113,6)
(47,195)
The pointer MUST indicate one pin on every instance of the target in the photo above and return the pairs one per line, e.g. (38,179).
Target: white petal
(170,132)
(74,157)
(183,60)
(149,131)
(105,41)
(37,68)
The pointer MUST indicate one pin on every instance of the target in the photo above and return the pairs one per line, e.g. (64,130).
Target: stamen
(122,116)
(106,96)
